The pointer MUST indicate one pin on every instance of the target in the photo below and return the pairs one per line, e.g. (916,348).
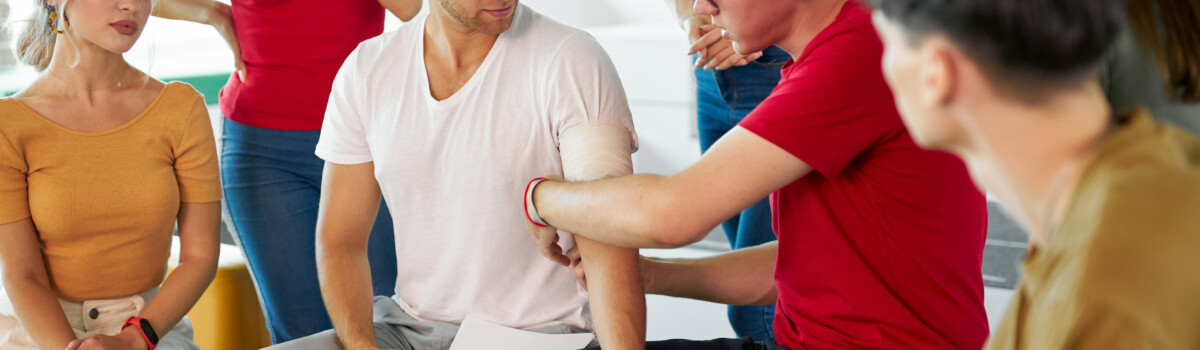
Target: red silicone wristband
(135,321)
(525,202)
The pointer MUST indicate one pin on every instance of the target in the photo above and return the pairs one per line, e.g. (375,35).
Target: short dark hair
(1030,42)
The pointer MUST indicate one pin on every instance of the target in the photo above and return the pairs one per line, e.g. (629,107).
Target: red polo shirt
(881,246)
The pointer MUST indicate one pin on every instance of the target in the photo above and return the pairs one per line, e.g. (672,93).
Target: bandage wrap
(590,151)
(596,150)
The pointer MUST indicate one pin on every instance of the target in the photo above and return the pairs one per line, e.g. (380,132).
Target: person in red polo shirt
(880,242)
(274,105)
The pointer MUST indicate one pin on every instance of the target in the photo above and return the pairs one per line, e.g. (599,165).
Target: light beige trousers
(93,317)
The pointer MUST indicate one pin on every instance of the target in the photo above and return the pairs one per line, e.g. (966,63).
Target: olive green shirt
(1122,271)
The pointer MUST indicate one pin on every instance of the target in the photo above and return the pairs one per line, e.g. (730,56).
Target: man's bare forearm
(349,203)
(618,301)
(652,211)
(345,278)
(641,210)
(740,277)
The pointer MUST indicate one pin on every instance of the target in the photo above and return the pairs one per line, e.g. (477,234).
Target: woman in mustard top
(98,162)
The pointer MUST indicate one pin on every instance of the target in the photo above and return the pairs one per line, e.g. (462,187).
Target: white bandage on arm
(590,151)
(596,150)
(593,151)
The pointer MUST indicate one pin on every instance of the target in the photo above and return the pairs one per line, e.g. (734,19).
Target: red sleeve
(832,105)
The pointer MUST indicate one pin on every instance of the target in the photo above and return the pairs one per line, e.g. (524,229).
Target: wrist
(531,210)
(133,339)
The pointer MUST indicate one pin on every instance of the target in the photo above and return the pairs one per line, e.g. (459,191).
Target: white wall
(584,14)
(593,13)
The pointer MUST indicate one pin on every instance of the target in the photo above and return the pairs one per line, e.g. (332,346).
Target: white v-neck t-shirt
(453,172)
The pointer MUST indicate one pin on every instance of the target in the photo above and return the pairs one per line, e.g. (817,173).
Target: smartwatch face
(153,337)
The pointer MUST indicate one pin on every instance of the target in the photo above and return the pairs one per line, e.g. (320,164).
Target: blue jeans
(723,99)
(272,184)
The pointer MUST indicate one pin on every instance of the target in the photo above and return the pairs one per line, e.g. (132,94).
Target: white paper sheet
(477,334)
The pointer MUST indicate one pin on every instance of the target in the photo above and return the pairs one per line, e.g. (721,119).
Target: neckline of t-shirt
(141,115)
(484,66)
(833,29)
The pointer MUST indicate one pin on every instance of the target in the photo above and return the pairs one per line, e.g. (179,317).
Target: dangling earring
(62,25)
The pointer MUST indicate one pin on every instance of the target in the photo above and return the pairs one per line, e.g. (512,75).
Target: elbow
(667,218)
(217,14)
(335,244)
(668,226)
(205,263)
(326,243)
(20,281)
(768,298)
(676,239)
(209,273)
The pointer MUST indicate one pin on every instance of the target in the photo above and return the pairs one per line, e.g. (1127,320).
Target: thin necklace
(117,85)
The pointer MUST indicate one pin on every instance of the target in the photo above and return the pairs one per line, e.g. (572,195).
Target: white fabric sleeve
(583,86)
(343,137)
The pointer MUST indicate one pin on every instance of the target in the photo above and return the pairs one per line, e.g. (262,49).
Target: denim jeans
(272,183)
(724,98)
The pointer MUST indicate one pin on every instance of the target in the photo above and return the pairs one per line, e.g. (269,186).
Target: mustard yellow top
(1122,271)
(104,204)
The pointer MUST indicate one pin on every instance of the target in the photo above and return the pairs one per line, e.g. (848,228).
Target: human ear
(938,76)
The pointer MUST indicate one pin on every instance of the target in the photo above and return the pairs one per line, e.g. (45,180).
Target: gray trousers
(396,329)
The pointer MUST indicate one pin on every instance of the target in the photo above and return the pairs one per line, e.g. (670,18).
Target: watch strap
(144,328)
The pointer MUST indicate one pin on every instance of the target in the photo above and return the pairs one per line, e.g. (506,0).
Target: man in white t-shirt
(447,118)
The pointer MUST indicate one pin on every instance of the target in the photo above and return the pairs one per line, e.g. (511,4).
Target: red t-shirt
(881,246)
(292,50)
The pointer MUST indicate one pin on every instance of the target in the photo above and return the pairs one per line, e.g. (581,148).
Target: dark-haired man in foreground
(880,241)
(1012,87)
